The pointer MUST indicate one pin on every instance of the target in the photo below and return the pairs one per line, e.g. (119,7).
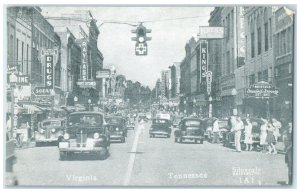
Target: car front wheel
(63,156)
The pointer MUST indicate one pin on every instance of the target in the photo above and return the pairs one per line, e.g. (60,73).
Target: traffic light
(141,40)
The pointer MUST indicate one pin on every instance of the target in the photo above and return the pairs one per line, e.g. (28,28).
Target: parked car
(117,128)
(256,124)
(10,177)
(160,127)
(207,127)
(85,133)
(49,130)
(190,129)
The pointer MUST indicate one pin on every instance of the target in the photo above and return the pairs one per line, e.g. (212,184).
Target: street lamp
(234,93)
(210,107)
(75,101)
(98,105)
(89,101)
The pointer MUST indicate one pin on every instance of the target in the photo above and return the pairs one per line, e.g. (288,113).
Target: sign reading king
(203,59)
(49,72)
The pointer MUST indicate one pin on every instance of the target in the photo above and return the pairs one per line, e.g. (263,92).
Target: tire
(201,141)
(176,140)
(123,140)
(63,156)
(168,136)
(180,140)
(103,156)
(37,144)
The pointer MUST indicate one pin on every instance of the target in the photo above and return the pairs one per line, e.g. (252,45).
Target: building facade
(284,63)
(259,24)
(215,62)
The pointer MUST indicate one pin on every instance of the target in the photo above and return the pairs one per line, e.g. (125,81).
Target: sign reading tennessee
(262,90)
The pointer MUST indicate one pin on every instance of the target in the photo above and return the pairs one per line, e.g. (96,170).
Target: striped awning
(31,109)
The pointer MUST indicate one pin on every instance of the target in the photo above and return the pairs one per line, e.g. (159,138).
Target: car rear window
(192,123)
(159,121)
(52,123)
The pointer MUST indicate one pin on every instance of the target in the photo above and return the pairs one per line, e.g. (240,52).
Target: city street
(144,161)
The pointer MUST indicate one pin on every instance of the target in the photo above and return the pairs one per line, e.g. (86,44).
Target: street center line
(132,157)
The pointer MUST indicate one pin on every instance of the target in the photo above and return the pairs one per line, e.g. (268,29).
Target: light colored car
(49,131)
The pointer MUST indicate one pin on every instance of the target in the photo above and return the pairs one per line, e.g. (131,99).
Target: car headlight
(96,135)
(117,129)
(53,130)
(41,130)
(66,136)
(101,139)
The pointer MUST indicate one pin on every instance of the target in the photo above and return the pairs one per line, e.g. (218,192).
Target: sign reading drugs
(262,90)
(84,66)
(49,72)
(203,59)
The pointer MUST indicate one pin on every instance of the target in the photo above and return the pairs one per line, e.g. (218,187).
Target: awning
(31,109)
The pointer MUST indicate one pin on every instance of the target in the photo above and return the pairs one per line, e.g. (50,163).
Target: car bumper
(159,132)
(192,137)
(82,149)
(46,140)
(116,137)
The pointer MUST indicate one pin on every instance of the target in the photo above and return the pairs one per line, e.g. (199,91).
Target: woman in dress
(271,138)
(248,135)
(263,135)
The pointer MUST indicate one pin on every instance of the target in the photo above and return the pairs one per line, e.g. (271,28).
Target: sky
(168,37)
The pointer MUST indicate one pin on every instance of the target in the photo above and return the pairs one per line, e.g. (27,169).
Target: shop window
(251,79)
(252,45)
(259,77)
(265,76)
(266,37)
(259,41)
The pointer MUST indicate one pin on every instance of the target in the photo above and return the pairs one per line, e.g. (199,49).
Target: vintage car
(208,125)
(85,133)
(49,130)
(176,121)
(161,127)
(10,177)
(256,124)
(190,129)
(117,128)
(130,124)
(142,116)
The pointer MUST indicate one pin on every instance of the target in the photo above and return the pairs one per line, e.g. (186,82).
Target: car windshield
(192,123)
(222,123)
(113,120)
(52,123)
(85,119)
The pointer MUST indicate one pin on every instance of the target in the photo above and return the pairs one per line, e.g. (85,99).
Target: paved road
(144,161)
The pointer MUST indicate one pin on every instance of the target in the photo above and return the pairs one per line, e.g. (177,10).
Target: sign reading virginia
(262,90)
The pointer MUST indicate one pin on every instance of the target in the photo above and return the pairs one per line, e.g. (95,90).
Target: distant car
(176,121)
(149,116)
(256,124)
(160,127)
(142,116)
(85,133)
(49,130)
(190,129)
(117,128)
(130,124)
